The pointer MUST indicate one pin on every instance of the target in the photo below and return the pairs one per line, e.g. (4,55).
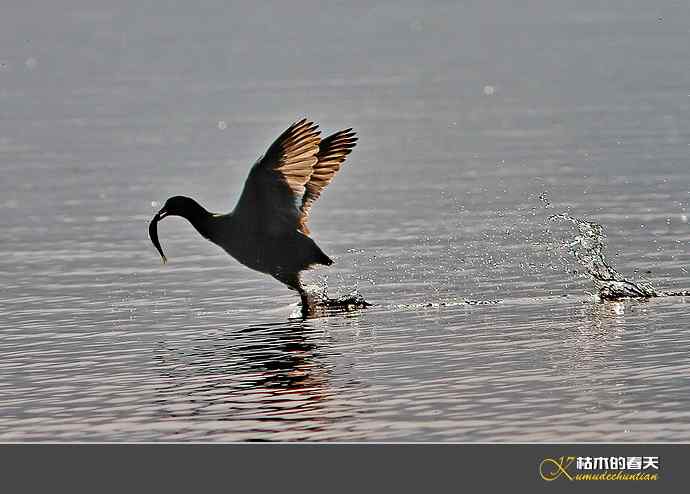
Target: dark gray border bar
(322,467)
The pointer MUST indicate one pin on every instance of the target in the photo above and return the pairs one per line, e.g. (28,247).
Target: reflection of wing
(332,153)
(276,184)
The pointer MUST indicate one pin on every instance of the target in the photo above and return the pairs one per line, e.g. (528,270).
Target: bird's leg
(306,305)
(294,283)
(308,308)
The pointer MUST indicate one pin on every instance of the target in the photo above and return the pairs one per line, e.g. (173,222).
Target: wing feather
(333,151)
(274,190)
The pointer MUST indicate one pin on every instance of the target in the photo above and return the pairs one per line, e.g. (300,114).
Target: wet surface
(483,327)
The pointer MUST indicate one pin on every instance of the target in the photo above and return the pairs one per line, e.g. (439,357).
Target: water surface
(467,115)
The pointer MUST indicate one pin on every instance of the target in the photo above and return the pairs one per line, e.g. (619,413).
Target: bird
(267,230)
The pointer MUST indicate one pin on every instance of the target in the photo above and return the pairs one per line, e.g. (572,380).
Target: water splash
(351,301)
(454,303)
(588,247)
(321,304)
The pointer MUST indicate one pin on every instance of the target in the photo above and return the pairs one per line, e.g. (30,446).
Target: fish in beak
(153,232)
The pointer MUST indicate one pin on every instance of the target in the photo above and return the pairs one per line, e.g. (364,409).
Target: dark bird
(267,231)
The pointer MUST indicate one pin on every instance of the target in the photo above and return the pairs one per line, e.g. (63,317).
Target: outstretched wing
(272,195)
(332,153)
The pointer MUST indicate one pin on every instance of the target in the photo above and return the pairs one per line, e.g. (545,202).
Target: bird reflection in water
(262,380)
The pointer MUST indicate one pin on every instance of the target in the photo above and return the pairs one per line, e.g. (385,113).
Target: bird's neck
(199,217)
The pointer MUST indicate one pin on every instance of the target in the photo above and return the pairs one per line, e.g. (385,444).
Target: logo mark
(552,468)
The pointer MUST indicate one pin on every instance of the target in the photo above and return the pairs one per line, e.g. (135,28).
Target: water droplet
(222,124)
(489,90)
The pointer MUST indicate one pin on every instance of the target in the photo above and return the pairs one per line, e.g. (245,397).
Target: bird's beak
(153,232)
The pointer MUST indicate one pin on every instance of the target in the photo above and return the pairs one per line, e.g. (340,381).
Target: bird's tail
(314,253)
(320,257)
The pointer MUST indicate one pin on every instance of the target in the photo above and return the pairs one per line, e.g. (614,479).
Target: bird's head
(175,206)
(178,206)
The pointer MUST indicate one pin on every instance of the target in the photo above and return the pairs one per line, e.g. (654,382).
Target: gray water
(467,114)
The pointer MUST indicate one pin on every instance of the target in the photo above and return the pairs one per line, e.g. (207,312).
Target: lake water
(467,114)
